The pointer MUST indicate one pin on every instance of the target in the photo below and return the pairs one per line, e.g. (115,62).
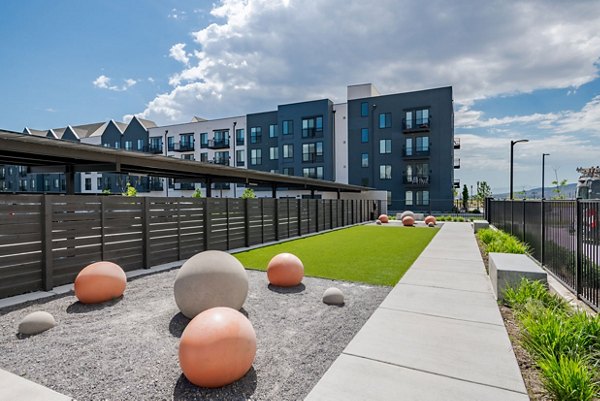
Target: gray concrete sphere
(333,296)
(36,322)
(407,213)
(210,279)
(431,224)
(378,222)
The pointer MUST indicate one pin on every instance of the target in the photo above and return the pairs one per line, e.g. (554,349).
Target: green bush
(130,190)
(197,193)
(499,241)
(518,298)
(248,194)
(569,379)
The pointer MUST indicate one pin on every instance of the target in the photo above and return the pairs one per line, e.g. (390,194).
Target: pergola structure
(45,155)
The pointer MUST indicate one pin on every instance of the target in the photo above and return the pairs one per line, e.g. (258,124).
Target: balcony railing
(156,185)
(456,143)
(312,158)
(220,160)
(185,186)
(416,179)
(418,124)
(456,163)
(311,133)
(240,163)
(218,143)
(239,141)
(183,147)
(415,152)
(456,183)
(155,149)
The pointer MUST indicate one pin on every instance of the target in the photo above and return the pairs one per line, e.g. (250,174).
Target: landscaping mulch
(127,349)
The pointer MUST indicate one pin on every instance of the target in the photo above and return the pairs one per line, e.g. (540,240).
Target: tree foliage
(130,190)
(248,194)
(465,197)
(197,193)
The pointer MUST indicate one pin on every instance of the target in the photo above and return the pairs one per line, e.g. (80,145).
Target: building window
(156,144)
(385,172)
(312,126)
(98,183)
(320,172)
(408,147)
(222,158)
(188,157)
(408,198)
(256,157)
(240,158)
(288,151)
(287,127)
(186,142)
(385,120)
(288,170)
(128,145)
(422,198)
(309,172)
(239,136)
(88,184)
(255,134)
(389,198)
(408,120)
(273,153)
(221,138)
(364,109)
(364,135)
(117,144)
(422,118)
(273,131)
(204,157)
(385,146)
(203,140)
(364,160)
(423,144)
(140,144)
(171,143)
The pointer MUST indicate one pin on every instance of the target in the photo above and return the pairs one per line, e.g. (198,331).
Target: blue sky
(518,69)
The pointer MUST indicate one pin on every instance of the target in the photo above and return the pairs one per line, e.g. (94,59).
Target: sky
(519,69)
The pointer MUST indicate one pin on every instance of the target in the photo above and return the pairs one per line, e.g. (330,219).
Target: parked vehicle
(588,187)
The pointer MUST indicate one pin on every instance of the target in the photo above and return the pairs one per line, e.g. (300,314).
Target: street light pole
(232,140)
(543,172)
(512,144)
(166,154)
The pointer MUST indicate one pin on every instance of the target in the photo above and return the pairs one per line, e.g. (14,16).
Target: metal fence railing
(45,240)
(564,236)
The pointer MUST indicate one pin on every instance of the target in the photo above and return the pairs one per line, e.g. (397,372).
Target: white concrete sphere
(210,279)
(36,322)
(407,213)
(333,296)
(378,222)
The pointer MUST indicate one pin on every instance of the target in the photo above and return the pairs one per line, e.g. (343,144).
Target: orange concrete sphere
(408,221)
(217,347)
(285,270)
(430,219)
(384,218)
(100,282)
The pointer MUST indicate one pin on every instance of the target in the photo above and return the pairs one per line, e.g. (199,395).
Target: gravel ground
(127,349)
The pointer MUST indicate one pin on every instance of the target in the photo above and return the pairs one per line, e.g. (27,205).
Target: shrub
(197,193)
(569,379)
(518,298)
(248,194)
(130,190)
(499,241)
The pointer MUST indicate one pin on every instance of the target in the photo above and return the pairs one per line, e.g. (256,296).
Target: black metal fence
(45,240)
(564,236)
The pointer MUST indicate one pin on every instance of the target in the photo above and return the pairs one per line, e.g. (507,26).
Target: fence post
(523,235)
(227,223)
(317,215)
(102,226)
(206,223)
(289,234)
(543,233)
(578,246)
(47,267)
(246,223)
(343,213)
(299,217)
(276,219)
(262,219)
(145,232)
(512,216)
(178,229)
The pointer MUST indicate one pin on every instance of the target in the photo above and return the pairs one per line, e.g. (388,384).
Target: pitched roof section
(146,123)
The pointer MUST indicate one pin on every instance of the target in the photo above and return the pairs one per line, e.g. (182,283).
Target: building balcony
(456,143)
(312,158)
(416,125)
(220,160)
(415,153)
(182,147)
(156,185)
(456,183)
(218,143)
(311,133)
(185,186)
(239,142)
(457,163)
(155,149)
(240,163)
(416,180)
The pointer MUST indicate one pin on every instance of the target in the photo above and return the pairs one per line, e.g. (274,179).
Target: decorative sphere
(210,279)
(408,221)
(430,219)
(217,347)
(378,222)
(407,213)
(431,224)
(100,282)
(333,296)
(384,218)
(285,270)
(36,322)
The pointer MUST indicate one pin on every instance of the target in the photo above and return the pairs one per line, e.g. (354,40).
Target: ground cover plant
(499,241)
(565,344)
(369,254)
(458,219)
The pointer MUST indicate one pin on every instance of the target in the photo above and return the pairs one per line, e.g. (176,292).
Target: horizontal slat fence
(564,236)
(45,240)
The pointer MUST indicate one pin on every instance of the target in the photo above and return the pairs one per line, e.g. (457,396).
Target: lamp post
(166,154)
(232,140)
(512,144)
(543,172)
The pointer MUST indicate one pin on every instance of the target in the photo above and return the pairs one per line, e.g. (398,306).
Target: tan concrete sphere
(100,282)
(36,322)
(408,221)
(210,279)
(430,219)
(384,218)
(285,270)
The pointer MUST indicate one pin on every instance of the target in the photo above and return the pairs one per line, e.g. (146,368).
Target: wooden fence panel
(283,218)
(268,219)
(123,231)
(217,215)
(320,215)
(293,218)
(237,223)
(162,230)
(191,226)
(255,221)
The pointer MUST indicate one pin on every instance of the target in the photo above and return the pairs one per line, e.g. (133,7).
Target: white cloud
(264,52)
(177,14)
(104,82)
(177,52)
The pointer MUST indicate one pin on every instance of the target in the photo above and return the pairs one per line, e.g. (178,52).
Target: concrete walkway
(13,387)
(437,336)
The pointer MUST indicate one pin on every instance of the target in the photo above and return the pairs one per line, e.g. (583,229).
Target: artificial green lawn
(369,254)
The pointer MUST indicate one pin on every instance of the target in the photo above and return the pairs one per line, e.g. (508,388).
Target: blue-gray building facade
(404,143)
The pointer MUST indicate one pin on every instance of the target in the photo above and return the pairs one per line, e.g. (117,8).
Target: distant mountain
(536,193)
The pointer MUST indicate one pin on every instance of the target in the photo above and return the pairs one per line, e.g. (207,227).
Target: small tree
(483,191)
(248,194)
(558,191)
(197,193)
(465,197)
(130,190)
(106,191)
